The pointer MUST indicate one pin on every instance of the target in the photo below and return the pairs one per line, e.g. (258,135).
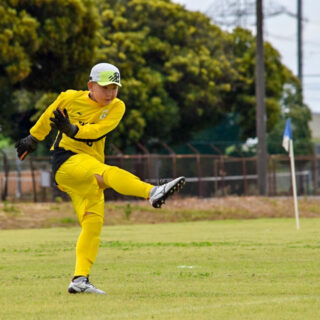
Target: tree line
(181,74)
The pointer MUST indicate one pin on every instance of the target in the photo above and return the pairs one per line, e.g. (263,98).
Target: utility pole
(299,33)
(262,156)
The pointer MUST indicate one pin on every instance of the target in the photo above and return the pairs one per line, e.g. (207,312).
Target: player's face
(103,95)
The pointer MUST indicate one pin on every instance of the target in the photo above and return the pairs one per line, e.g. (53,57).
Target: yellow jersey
(94,123)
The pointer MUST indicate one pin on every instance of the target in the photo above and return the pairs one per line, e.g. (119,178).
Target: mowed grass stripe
(233,269)
(213,309)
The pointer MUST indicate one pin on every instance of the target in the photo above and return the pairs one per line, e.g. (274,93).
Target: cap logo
(115,77)
(109,76)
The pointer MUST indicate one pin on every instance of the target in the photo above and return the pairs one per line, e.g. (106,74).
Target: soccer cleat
(159,194)
(82,285)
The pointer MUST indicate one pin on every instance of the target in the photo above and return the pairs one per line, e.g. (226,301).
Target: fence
(206,175)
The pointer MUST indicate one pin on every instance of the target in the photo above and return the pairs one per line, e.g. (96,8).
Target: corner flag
(287,135)
(287,143)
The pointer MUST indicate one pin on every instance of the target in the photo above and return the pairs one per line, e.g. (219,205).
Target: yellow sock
(126,183)
(88,244)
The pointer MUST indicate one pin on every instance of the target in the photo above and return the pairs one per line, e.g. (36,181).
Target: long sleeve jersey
(94,123)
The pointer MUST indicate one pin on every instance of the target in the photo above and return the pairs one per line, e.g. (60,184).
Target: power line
(287,38)
(231,13)
(312,43)
(313,23)
(290,38)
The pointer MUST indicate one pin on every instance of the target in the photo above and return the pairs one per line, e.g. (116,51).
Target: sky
(281,32)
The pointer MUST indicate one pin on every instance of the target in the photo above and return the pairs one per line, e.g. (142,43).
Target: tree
(45,46)
(300,115)
(182,74)
(174,70)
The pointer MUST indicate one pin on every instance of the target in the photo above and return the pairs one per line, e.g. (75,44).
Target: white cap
(105,74)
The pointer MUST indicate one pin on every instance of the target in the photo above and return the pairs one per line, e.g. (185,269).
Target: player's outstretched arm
(25,146)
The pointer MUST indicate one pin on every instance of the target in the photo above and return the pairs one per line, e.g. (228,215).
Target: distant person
(83,119)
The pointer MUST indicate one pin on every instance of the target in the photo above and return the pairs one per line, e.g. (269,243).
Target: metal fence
(206,175)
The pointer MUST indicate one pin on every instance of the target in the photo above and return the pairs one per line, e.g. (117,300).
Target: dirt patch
(46,215)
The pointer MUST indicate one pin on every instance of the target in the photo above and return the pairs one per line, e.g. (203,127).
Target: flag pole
(294,185)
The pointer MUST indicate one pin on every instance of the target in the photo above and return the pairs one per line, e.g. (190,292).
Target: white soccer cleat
(82,285)
(159,194)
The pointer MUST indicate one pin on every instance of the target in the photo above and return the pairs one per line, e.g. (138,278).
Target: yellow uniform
(77,160)
(93,121)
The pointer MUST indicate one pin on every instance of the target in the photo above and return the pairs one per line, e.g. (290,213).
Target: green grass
(231,269)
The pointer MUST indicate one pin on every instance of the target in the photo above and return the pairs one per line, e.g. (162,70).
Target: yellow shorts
(76,176)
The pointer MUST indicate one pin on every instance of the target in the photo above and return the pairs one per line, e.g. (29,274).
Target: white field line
(187,267)
(211,306)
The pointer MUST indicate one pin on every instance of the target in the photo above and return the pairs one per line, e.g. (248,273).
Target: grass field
(231,269)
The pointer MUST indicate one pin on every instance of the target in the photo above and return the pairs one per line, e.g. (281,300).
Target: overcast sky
(281,31)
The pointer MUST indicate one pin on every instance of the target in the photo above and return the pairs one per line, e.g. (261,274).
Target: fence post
(33,181)
(200,191)
(6,176)
(269,176)
(274,172)
(215,172)
(314,169)
(244,173)
(222,174)
(18,165)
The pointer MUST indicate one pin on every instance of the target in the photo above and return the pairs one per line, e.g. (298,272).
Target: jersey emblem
(104,114)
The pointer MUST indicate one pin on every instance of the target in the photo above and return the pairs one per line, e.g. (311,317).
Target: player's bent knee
(100,181)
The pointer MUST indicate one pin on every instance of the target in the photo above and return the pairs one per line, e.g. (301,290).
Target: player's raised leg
(126,183)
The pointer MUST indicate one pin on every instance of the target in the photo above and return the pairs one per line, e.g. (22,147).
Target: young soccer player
(83,119)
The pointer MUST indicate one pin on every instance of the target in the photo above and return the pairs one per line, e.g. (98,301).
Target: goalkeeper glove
(26,146)
(62,123)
